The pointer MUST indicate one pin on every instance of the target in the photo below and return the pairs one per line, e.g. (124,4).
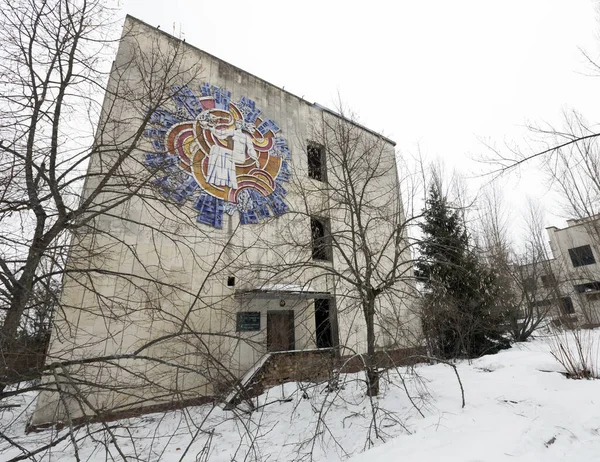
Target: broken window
(529,284)
(581,256)
(321,246)
(566,305)
(316,161)
(587,287)
(548,280)
(323,323)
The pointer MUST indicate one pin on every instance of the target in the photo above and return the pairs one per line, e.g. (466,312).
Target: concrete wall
(578,233)
(152,239)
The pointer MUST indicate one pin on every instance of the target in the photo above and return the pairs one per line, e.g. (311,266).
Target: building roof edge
(315,105)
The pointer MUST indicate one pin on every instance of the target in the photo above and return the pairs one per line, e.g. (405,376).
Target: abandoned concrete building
(569,282)
(216,248)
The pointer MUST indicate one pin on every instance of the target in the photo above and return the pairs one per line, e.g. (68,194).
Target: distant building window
(529,284)
(548,280)
(540,306)
(566,305)
(588,287)
(231,281)
(316,161)
(581,256)
(248,321)
(321,241)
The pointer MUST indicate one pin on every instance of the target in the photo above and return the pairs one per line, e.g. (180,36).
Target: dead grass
(576,351)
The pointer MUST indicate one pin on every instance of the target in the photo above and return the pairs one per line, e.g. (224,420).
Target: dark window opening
(323,323)
(581,256)
(321,248)
(589,287)
(548,280)
(316,161)
(566,305)
(542,303)
(231,281)
(529,284)
(248,321)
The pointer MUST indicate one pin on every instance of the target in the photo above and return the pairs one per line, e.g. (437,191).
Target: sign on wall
(248,321)
(224,155)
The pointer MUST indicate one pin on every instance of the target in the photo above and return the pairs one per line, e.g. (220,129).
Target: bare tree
(573,171)
(71,195)
(539,280)
(90,211)
(358,249)
(569,158)
(51,77)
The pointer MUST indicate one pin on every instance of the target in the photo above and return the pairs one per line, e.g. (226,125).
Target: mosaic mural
(223,155)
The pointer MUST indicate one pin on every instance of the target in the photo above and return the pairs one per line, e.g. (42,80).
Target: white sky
(437,74)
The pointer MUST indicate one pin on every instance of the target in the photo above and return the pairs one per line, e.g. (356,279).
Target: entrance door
(280,330)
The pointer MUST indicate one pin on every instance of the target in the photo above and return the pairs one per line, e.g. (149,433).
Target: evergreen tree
(460,313)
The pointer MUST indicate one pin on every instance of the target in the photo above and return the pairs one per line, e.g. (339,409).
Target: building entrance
(280,330)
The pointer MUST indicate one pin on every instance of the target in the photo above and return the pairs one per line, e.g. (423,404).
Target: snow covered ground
(518,407)
(517,410)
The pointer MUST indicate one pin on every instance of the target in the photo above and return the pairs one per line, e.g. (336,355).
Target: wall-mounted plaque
(248,321)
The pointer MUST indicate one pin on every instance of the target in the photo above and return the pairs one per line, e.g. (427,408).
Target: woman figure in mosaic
(236,148)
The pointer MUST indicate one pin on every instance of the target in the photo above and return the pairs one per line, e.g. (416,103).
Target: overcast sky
(440,75)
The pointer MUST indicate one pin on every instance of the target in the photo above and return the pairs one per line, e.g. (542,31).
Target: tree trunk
(371,371)
(10,348)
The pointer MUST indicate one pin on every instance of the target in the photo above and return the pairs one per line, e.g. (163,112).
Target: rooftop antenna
(173,28)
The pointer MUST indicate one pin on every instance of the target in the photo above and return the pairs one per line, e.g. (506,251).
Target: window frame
(324,329)
(316,172)
(566,306)
(529,283)
(321,252)
(548,280)
(579,259)
(593,286)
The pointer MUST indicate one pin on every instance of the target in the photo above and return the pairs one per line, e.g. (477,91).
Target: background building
(576,251)
(567,286)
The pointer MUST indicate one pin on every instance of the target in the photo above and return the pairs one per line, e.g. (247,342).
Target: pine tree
(460,313)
